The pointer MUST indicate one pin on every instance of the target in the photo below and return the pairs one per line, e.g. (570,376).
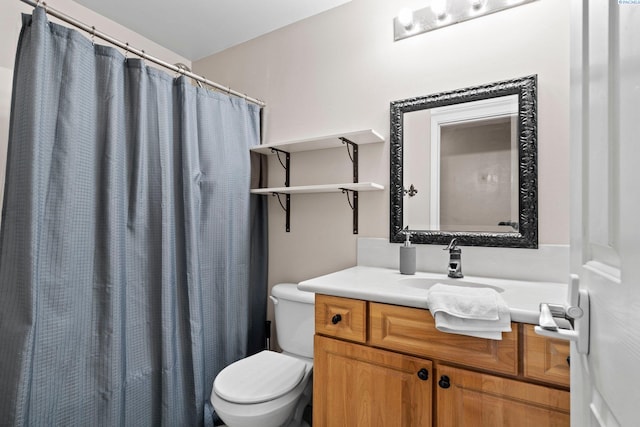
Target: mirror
(463,164)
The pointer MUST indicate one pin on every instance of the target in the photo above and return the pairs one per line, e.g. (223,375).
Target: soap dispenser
(407,254)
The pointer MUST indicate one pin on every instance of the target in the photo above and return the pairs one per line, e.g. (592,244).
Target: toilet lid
(264,376)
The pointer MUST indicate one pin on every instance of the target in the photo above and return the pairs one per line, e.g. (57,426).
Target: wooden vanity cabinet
(385,365)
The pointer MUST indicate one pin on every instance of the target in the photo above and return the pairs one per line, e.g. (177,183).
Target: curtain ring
(126,52)
(93,35)
(46,9)
(180,71)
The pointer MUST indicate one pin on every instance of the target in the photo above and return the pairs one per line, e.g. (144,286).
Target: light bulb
(439,8)
(405,18)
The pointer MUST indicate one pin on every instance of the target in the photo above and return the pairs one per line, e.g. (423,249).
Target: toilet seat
(259,378)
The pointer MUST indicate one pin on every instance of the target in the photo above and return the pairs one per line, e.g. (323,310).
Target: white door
(605,235)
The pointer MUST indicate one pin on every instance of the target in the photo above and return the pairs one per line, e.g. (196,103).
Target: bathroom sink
(428,282)
(388,286)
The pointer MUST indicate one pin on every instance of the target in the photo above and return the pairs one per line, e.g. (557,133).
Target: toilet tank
(294,317)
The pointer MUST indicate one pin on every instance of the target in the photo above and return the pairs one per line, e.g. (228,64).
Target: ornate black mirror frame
(527,234)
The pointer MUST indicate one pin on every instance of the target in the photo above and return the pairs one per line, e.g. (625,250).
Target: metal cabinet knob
(423,374)
(336,319)
(444,382)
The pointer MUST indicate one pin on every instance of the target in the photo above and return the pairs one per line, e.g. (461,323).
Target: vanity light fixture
(441,13)
(439,8)
(405,18)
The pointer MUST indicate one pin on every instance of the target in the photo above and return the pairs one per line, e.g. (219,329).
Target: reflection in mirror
(463,165)
(472,150)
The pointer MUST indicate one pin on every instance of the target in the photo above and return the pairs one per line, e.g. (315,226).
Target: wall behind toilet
(339,70)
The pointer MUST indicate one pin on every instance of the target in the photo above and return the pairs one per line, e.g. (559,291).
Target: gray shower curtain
(132,256)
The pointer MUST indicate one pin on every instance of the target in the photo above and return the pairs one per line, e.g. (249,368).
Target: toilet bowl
(271,389)
(270,403)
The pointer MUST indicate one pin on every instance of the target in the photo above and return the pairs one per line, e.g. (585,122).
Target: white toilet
(271,389)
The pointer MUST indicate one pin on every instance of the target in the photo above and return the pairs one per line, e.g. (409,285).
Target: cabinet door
(355,385)
(545,359)
(471,399)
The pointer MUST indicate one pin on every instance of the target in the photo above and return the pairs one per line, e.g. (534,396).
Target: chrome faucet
(455,259)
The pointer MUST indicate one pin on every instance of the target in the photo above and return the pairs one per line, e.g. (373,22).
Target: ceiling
(195,29)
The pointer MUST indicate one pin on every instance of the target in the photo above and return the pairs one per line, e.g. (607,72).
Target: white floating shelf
(368,136)
(350,140)
(323,188)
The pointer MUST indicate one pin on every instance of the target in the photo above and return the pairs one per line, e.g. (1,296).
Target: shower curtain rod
(140,53)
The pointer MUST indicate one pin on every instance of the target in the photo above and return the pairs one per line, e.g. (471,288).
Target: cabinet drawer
(413,331)
(341,317)
(545,359)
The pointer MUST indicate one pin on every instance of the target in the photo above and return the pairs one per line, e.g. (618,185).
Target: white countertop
(387,285)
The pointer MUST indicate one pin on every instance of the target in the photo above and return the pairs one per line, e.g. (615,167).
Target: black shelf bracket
(287,168)
(354,206)
(352,150)
(286,164)
(286,207)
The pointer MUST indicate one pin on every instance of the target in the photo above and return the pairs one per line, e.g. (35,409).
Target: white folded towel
(477,312)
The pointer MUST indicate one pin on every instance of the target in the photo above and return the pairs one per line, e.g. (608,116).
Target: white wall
(10,24)
(338,71)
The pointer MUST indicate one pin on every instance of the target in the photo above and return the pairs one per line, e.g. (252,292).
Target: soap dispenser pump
(407,254)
